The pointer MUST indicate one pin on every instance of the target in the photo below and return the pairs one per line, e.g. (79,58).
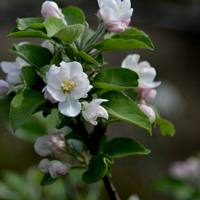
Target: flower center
(120,8)
(67,86)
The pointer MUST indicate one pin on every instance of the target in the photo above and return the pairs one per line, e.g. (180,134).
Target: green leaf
(23,105)
(97,168)
(73,15)
(30,76)
(116,79)
(57,59)
(6,100)
(100,60)
(102,143)
(29,34)
(30,23)
(133,31)
(68,34)
(123,108)
(59,120)
(123,41)
(47,180)
(71,52)
(123,147)
(85,58)
(35,55)
(166,127)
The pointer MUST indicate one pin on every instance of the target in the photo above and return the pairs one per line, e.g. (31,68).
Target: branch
(92,145)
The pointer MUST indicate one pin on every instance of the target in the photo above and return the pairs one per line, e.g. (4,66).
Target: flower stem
(92,145)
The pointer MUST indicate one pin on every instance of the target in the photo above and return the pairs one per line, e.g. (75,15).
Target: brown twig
(92,145)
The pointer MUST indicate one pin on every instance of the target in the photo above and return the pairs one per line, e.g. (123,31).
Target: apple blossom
(116,14)
(51,9)
(185,169)
(13,70)
(149,112)
(147,94)
(47,144)
(67,84)
(4,88)
(56,168)
(91,111)
(44,166)
(145,71)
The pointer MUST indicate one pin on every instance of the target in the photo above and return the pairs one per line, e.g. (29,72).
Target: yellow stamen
(120,8)
(67,86)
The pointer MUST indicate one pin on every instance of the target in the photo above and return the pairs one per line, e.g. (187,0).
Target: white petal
(14,78)
(109,10)
(8,67)
(70,107)
(19,60)
(99,101)
(125,6)
(102,112)
(126,15)
(57,95)
(131,62)
(81,88)
(76,70)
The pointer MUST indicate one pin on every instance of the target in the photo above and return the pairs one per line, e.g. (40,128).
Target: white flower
(149,112)
(93,110)
(47,144)
(188,169)
(44,166)
(56,168)
(67,84)
(4,88)
(13,70)
(116,14)
(51,9)
(143,69)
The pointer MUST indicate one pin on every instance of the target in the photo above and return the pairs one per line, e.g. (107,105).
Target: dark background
(174,28)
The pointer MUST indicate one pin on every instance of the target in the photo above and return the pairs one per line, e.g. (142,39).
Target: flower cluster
(145,89)
(45,145)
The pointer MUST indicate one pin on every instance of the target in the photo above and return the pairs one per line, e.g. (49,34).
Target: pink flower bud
(47,144)
(147,94)
(4,88)
(44,166)
(56,168)
(149,112)
(50,9)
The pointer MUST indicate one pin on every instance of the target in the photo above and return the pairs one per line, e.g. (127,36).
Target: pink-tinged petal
(148,94)
(9,67)
(115,26)
(149,112)
(126,22)
(14,78)
(58,95)
(131,62)
(56,168)
(48,96)
(70,107)
(44,166)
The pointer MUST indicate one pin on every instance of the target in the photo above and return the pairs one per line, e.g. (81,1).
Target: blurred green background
(174,28)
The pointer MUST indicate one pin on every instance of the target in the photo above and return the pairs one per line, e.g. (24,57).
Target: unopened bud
(148,94)
(44,166)
(149,112)
(47,144)
(50,9)
(56,168)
